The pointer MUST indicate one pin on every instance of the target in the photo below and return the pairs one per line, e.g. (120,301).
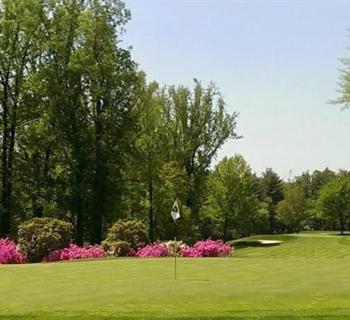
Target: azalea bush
(116,248)
(125,236)
(10,253)
(207,248)
(175,247)
(157,249)
(39,236)
(74,252)
(203,248)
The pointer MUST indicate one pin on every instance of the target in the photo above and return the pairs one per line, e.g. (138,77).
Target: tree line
(84,136)
(87,139)
(240,203)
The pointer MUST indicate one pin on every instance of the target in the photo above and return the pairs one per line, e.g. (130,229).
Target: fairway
(306,277)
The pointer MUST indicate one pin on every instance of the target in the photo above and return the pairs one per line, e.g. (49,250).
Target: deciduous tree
(334,201)
(292,211)
(233,197)
(200,125)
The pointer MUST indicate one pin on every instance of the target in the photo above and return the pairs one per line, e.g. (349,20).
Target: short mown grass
(306,277)
(304,245)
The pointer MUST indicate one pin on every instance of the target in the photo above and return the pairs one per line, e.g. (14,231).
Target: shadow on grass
(254,243)
(258,241)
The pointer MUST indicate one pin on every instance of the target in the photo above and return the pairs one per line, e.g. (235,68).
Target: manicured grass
(306,277)
(305,245)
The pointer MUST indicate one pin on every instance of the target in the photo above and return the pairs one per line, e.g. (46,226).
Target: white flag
(175,211)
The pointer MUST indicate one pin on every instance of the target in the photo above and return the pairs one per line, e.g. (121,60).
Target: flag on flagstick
(175,211)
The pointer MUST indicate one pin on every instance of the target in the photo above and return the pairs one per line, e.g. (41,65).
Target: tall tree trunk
(272,218)
(78,205)
(98,189)
(97,213)
(150,210)
(5,214)
(8,145)
(6,199)
(192,201)
(225,227)
(342,224)
(38,208)
(78,189)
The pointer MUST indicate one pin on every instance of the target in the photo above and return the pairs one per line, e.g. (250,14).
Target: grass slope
(305,245)
(306,277)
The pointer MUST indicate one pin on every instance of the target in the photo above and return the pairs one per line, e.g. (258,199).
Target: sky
(275,62)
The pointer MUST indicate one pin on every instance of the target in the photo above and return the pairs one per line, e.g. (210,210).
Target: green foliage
(152,147)
(132,232)
(344,84)
(199,126)
(39,236)
(292,211)
(271,192)
(210,225)
(173,184)
(84,136)
(262,218)
(78,112)
(334,201)
(233,197)
(180,132)
(271,186)
(314,182)
(20,26)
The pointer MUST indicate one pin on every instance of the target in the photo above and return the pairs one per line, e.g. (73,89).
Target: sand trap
(270,242)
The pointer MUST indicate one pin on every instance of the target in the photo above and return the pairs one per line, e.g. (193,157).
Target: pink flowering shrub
(74,252)
(207,248)
(9,253)
(175,247)
(132,252)
(157,249)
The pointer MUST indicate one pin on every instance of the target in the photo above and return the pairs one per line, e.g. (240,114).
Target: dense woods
(87,139)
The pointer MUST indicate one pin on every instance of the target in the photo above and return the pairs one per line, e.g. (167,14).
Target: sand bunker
(270,242)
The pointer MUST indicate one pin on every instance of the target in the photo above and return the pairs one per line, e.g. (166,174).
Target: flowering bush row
(157,249)
(207,248)
(74,252)
(49,239)
(203,248)
(175,247)
(9,253)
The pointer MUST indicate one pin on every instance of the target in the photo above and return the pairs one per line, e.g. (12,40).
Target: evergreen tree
(271,192)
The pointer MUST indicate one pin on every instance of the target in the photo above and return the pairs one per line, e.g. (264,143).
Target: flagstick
(175,271)
(175,214)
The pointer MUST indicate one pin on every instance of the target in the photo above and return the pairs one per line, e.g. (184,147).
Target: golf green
(305,277)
